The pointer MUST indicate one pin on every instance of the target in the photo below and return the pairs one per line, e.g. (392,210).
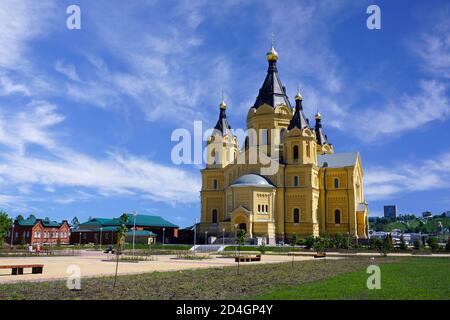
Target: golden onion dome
(223,105)
(272,55)
(318,116)
(298,96)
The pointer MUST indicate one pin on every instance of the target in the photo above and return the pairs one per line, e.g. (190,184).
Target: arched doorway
(243,226)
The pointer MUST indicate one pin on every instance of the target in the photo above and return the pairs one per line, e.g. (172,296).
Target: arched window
(337,216)
(213,155)
(308,151)
(336,183)
(296,215)
(264,137)
(267,208)
(215,184)
(282,132)
(295,152)
(295,181)
(214,216)
(259,208)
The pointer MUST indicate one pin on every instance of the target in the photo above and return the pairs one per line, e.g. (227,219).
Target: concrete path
(92,264)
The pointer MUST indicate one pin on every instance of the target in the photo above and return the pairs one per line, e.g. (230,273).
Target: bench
(248,258)
(18,269)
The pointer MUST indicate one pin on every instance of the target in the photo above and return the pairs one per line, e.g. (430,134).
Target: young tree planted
(121,235)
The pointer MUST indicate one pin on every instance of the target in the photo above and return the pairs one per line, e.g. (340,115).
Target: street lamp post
(164,229)
(12,236)
(134,231)
(101,233)
(206,237)
(235,239)
(195,234)
(80,238)
(223,236)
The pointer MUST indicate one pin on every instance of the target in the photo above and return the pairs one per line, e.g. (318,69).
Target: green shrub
(262,248)
(447,245)
(433,243)
(417,244)
(320,244)
(403,245)
(309,242)
(295,240)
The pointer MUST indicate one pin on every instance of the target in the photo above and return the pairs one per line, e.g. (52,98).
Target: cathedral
(312,191)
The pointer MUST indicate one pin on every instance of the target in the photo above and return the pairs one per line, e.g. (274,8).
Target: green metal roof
(31,221)
(149,221)
(141,233)
(141,220)
(96,222)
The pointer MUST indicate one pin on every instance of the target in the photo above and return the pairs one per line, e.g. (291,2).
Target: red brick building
(38,231)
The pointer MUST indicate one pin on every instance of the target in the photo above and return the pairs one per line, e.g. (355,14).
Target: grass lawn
(273,281)
(414,278)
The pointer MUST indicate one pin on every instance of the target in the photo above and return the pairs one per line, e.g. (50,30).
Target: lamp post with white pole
(101,233)
(12,235)
(235,239)
(195,234)
(223,236)
(164,229)
(206,237)
(134,231)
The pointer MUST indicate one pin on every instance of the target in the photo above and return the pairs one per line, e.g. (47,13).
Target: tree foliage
(417,244)
(75,223)
(5,225)
(309,242)
(240,236)
(432,242)
(295,240)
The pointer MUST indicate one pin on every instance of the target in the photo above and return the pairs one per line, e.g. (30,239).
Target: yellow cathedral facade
(313,190)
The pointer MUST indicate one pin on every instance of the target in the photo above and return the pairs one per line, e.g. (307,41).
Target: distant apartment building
(390,211)
(38,231)
(427,214)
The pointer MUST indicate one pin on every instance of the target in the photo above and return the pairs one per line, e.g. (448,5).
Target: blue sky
(86,115)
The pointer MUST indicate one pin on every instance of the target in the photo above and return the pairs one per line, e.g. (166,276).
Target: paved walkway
(93,264)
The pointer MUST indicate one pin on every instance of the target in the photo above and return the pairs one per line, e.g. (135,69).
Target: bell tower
(302,175)
(222,145)
(268,118)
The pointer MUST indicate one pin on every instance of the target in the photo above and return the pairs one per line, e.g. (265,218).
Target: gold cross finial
(223,105)
(298,96)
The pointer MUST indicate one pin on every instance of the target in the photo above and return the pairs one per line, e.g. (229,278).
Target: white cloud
(385,183)
(398,115)
(68,70)
(407,112)
(21,21)
(434,49)
(8,87)
(116,174)
(29,126)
